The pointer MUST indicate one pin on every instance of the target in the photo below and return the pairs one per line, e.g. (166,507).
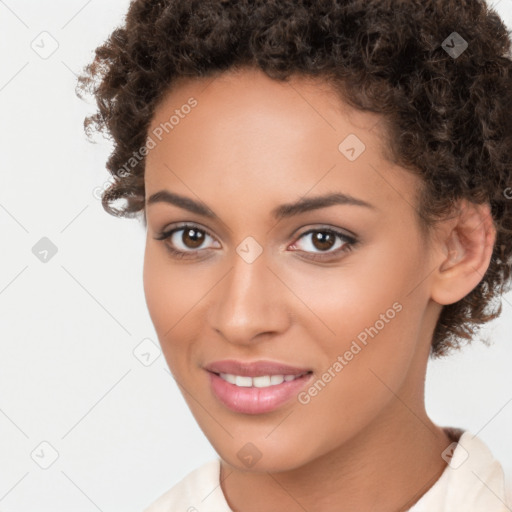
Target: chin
(263,456)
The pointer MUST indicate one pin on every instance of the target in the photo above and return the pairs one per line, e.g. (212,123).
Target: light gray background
(69,327)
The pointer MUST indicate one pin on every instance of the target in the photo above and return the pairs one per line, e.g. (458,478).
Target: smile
(262,381)
(259,394)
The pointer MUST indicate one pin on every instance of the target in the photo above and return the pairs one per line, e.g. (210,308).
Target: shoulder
(198,490)
(472,481)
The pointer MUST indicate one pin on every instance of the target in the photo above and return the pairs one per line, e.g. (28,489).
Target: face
(334,290)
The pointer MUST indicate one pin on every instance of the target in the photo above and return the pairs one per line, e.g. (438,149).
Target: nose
(249,303)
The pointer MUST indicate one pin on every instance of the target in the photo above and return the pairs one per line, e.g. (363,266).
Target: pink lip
(252,400)
(254,369)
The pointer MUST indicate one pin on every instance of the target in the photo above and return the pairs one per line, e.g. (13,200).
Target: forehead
(301,104)
(249,133)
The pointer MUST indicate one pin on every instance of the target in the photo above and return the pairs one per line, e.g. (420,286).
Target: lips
(258,387)
(254,369)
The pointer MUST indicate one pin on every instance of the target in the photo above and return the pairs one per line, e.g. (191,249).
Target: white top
(472,482)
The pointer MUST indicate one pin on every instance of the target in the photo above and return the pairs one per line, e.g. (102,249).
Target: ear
(464,250)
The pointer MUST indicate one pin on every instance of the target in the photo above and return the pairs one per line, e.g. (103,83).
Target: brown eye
(322,243)
(192,238)
(187,241)
(323,240)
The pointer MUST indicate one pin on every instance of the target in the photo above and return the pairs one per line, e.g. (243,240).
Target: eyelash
(349,242)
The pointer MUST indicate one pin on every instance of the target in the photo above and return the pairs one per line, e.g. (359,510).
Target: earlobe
(465,254)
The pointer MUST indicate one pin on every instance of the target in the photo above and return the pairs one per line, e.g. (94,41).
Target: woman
(325,187)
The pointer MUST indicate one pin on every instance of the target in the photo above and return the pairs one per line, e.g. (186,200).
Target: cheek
(365,327)
(170,290)
(346,300)
(364,366)
(174,294)
(167,295)
(359,381)
(159,295)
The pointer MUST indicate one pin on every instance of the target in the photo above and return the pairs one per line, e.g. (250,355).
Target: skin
(365,441)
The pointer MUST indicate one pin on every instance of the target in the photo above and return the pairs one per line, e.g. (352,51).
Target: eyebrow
(283,211)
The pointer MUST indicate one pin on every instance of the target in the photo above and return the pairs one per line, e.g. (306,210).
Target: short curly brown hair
(448,115)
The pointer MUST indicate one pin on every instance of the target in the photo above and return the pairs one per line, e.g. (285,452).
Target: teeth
(263,381)
(276,379)
(229,377)
(245,382)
